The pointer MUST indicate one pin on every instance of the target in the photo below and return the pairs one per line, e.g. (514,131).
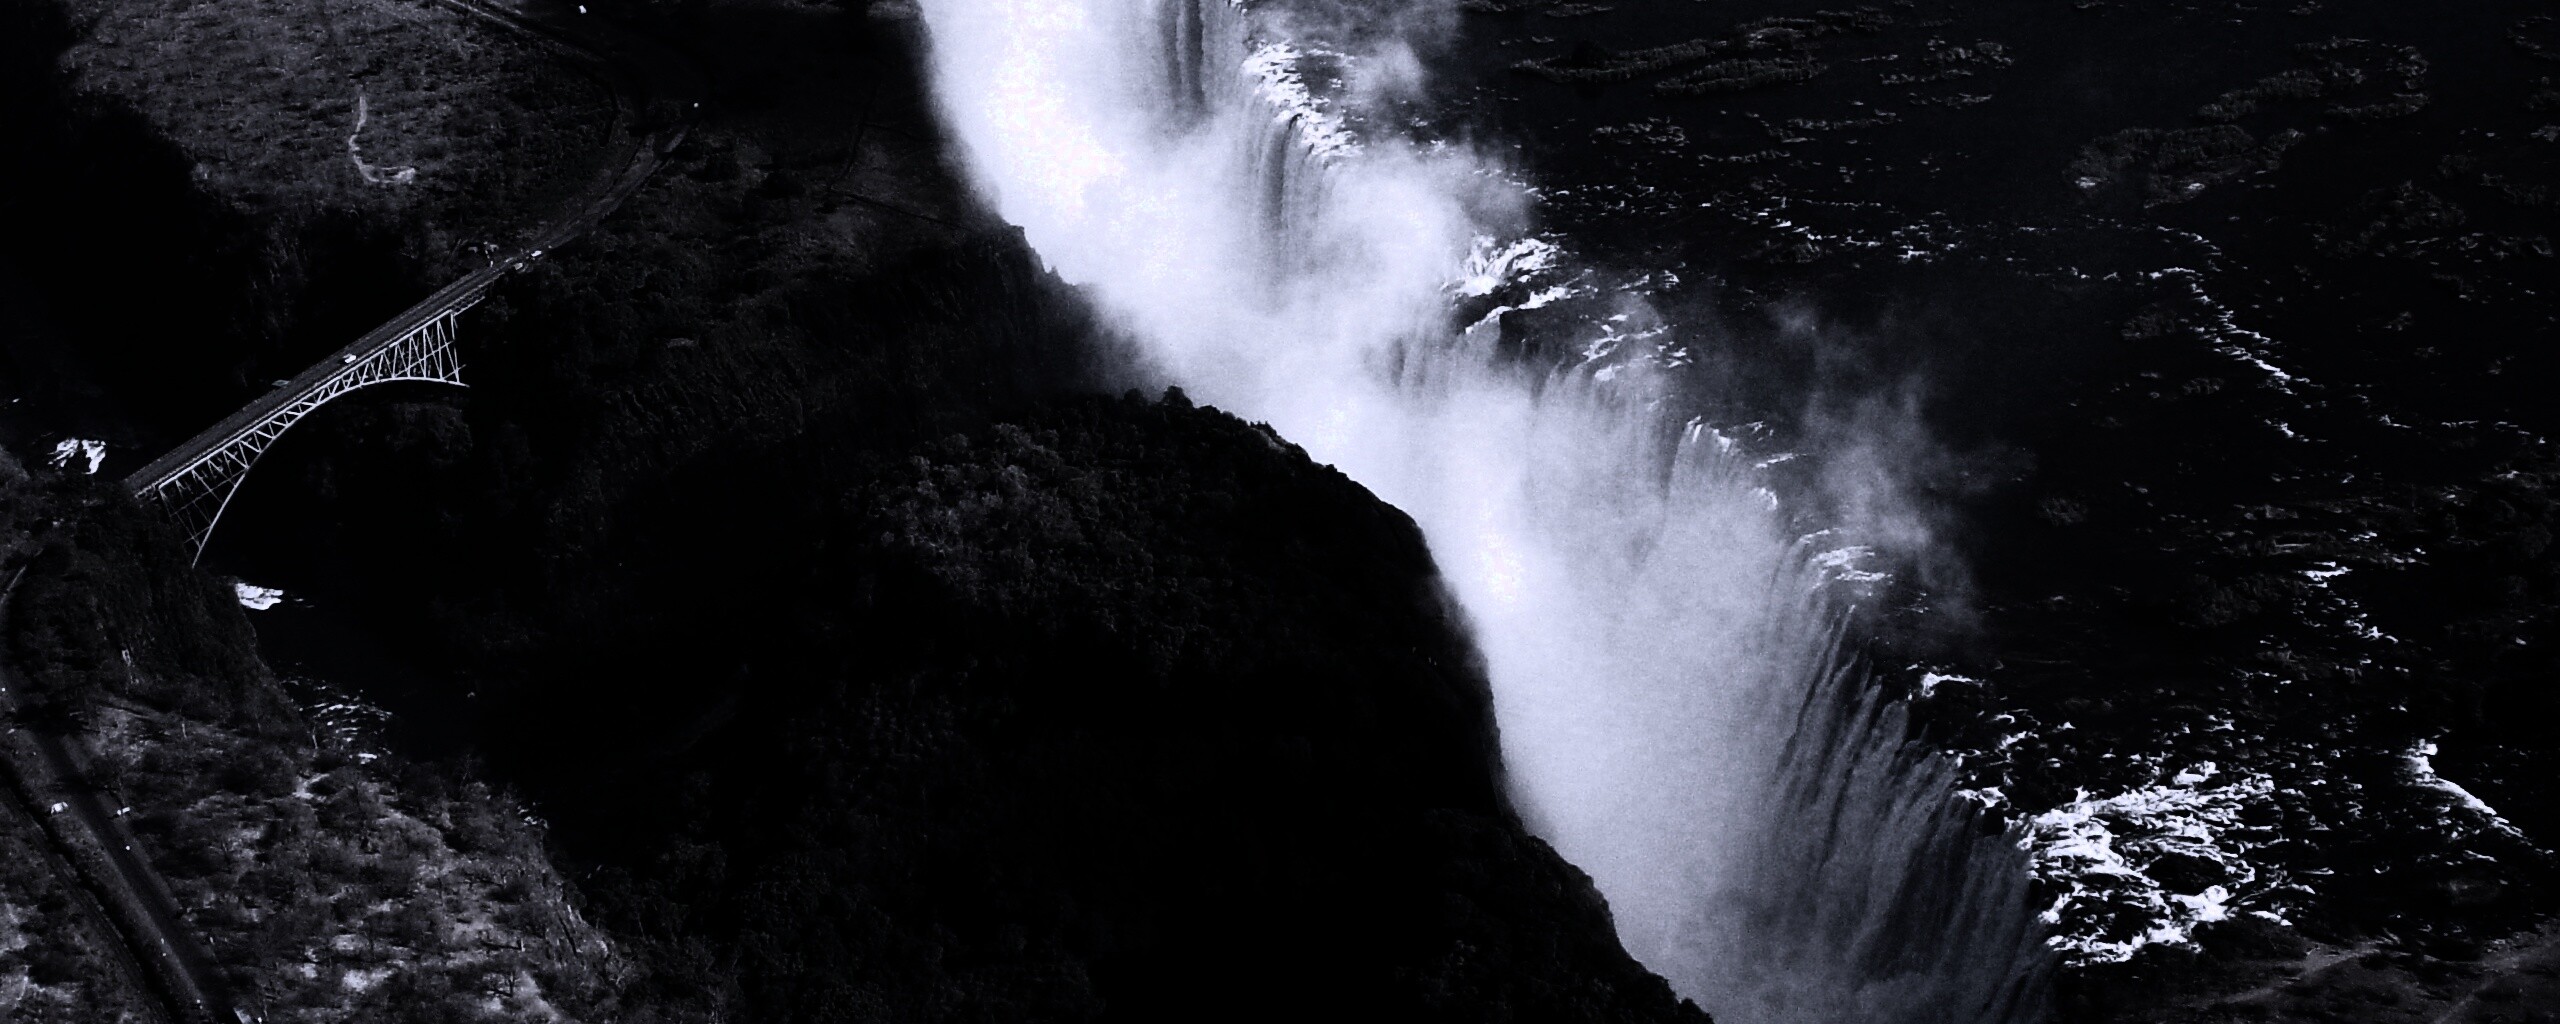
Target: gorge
(1233,185)
(1145,510)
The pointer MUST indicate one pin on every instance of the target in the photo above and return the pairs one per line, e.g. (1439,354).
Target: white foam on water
(69,450)
(255,597)
(1674,712)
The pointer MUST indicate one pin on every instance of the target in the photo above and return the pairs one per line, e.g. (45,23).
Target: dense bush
(110,606)
(1124,712)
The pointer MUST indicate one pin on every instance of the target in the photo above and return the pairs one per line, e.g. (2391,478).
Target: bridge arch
(195,482)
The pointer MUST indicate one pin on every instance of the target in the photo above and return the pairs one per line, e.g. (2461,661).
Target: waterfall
(1677,716)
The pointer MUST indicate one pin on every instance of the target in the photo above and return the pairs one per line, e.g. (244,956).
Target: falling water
(1676,714)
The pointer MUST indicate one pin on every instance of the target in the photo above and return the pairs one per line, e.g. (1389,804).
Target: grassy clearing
(263,95)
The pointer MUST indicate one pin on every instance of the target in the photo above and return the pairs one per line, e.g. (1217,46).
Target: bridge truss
(195,483)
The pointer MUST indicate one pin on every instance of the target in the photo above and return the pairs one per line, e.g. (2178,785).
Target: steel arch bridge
(195,482)
(653,89)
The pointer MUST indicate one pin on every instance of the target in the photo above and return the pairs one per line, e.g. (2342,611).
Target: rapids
(1677,715)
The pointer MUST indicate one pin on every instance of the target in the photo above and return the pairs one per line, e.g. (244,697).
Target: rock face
(1123,712)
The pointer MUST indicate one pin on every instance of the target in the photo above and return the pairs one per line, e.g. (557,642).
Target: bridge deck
(232,428)
(647,152)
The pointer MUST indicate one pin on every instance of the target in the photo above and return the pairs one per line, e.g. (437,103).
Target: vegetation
(262,96)
(166,149)
(339,885)
(1123,712)
(59,961)
(714,315)
(330,882)
(1001,704)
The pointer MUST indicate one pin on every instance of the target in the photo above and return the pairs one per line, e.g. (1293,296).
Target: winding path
(654,94)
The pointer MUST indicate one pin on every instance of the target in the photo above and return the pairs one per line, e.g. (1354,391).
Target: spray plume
(1675,711)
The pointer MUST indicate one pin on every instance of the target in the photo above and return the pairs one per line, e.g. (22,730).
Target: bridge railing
(347,362)
(195,481)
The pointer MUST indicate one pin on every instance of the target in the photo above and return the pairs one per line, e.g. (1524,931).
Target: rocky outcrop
(1125,711)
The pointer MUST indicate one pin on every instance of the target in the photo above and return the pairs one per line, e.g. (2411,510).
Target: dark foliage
(1123,712)
(1128,712)
(110,606)
(139,305)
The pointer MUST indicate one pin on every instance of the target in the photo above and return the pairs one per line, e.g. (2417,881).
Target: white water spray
(1673,710)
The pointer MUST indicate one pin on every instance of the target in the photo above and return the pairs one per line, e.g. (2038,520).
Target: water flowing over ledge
(1677,712)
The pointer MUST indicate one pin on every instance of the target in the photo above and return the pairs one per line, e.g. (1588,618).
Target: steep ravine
(151,284)
(858,666)
(824,643)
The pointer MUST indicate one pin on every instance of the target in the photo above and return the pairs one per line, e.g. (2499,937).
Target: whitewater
(1677,715)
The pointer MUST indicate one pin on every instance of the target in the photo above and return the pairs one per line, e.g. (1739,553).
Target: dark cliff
(864,665)
(1124,712)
